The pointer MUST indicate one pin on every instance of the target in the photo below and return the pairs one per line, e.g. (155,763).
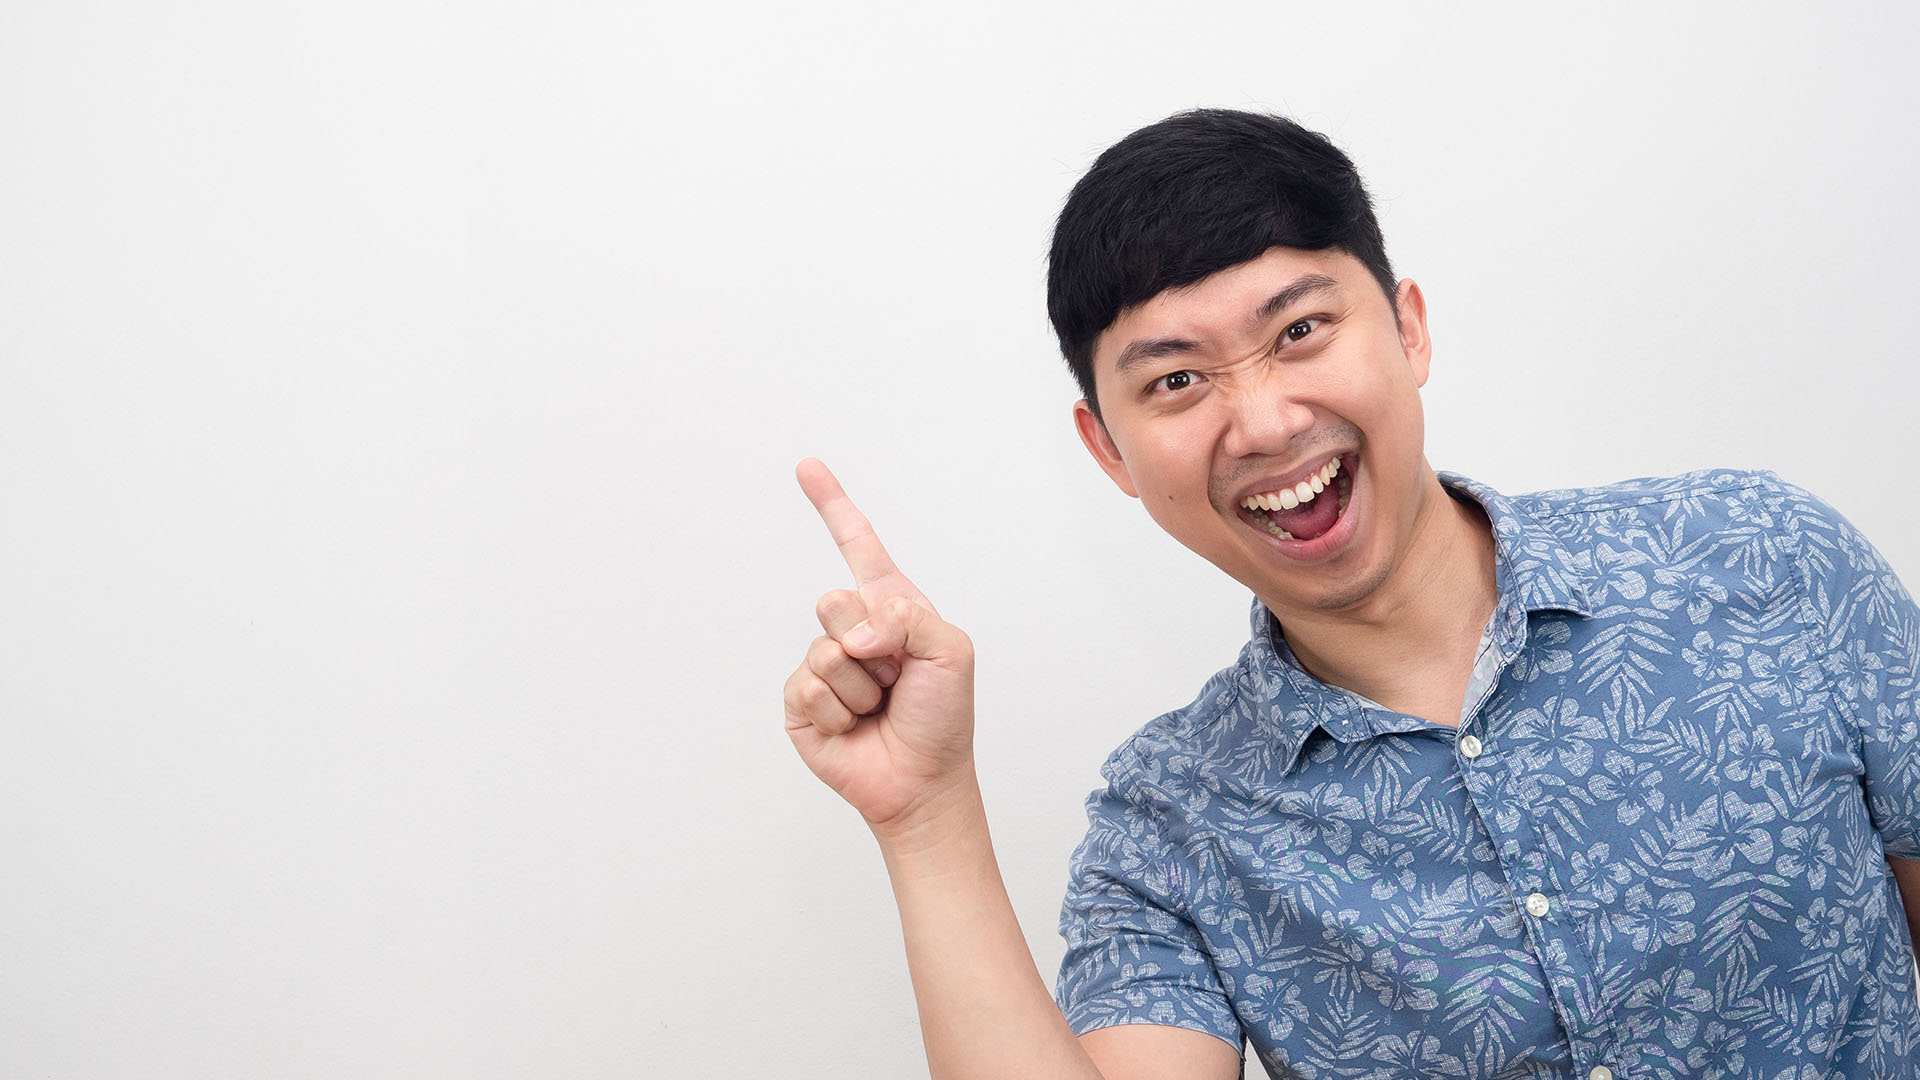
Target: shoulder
(1194,730)
(1729,493)
(1730,517)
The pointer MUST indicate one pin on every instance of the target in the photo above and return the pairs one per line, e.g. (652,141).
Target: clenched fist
(881,709)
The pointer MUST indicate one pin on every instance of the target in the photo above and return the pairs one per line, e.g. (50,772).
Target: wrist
(947,814)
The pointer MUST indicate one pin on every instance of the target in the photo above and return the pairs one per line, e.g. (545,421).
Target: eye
(1174,381)
(1299,330)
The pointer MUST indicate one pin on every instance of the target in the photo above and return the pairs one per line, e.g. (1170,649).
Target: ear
(1413,329)
(1093,433)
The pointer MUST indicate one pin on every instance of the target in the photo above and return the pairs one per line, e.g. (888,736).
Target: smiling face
(1225,402)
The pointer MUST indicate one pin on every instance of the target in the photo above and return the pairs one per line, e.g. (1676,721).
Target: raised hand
(881,709)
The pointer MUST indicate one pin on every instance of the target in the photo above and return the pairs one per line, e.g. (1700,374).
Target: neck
(1409,644)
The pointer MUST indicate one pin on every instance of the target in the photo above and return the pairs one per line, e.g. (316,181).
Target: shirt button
(1600,1072)
(1469,747)
(1537,907)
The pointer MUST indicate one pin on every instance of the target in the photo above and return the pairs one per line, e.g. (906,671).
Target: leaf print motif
(1737,935)
(1625,652)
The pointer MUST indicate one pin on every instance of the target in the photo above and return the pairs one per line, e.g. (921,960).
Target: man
(1592,783)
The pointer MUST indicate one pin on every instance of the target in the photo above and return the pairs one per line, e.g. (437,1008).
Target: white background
(399,553)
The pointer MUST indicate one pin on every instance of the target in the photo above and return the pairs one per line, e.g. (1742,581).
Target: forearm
(984,1009)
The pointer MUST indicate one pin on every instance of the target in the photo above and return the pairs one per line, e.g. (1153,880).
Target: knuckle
(816,695)
(822,654)
(837,606)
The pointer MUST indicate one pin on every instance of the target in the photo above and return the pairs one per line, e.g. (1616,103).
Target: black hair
(1192,195)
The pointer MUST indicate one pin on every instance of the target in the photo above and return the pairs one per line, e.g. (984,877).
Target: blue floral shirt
(1655,847)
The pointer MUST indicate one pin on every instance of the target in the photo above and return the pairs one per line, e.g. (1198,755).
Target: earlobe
(1094,436)
(1414,341)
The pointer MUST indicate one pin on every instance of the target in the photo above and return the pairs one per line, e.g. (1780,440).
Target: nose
(1263,416)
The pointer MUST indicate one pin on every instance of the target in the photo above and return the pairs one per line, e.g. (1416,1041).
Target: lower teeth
(1267,524)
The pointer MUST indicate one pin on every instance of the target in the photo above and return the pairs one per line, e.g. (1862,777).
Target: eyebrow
(1139,352)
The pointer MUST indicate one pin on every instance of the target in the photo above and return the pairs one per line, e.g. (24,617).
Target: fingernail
(886,673)
(860,637)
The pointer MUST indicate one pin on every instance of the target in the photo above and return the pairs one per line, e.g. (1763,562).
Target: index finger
(862,550)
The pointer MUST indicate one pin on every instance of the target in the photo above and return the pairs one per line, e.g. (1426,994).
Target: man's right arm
(881,710)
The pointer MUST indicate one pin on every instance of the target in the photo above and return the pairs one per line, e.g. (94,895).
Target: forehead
(1224,306)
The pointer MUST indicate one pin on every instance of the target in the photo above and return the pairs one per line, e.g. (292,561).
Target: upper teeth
(1302,492)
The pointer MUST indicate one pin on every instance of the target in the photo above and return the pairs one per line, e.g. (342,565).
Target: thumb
(901,626)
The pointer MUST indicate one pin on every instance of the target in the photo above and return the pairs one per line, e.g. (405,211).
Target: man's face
(1253,384)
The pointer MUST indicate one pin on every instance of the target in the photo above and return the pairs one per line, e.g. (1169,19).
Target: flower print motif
(1711,660)
(1320,816)
(1555,732)
(1765,680)
(1597,876)
(1137,979)
(1750,505)
(1277,1005)
(1856,668)
(1750,756)
(1720,1046)
(1809,852)
(1721,831)
(1820,1039)
(1672,1004)
(1699,594)
(1571,732)
(1822,927)
(1398,984)
(1190,783)
(1635,789)
(1389,879)
(1413,1057)
(1656,924)
(1543,655)
(1348,924)
(1618,576)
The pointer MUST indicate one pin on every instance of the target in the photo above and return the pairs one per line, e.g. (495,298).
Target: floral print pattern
(1667,859)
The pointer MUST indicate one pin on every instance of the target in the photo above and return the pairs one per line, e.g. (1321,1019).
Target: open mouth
(1308,509)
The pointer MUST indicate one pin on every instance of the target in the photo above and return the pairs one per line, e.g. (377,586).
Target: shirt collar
(1534,570)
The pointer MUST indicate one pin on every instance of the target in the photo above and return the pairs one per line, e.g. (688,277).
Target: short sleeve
(1868,635)
(1131,957)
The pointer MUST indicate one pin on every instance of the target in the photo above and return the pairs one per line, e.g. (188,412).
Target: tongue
(1309,520)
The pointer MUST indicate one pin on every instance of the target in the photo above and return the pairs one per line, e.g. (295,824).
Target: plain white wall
(399,556)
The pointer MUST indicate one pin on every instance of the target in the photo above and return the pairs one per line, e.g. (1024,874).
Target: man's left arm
(1872,629)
